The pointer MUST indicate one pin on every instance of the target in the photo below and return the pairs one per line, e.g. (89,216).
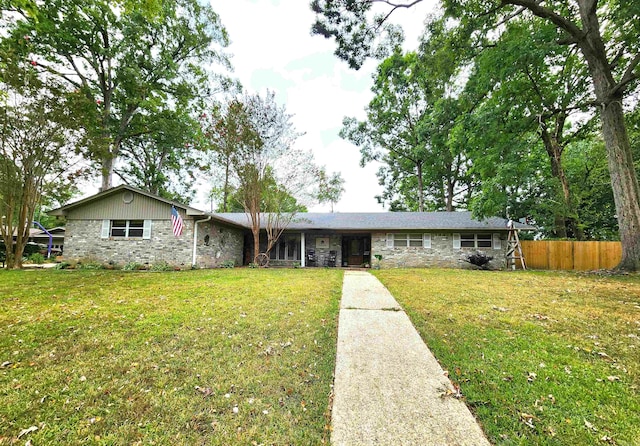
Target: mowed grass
(217,357)
(541,358)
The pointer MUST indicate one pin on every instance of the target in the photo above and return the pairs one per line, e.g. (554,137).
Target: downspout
(50,238)
(195,237)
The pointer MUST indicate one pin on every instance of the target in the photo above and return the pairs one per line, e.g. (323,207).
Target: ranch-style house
(125,224)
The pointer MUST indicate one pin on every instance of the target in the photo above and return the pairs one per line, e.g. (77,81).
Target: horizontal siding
(114,207)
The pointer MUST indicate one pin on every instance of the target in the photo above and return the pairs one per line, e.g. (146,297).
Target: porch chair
(311,257)
(331,260)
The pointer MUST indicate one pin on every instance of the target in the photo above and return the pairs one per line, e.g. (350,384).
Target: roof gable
(103,204)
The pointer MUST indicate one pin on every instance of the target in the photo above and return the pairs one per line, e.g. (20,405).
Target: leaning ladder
(514,249)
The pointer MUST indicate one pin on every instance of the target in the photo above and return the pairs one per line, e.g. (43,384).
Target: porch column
(303,251)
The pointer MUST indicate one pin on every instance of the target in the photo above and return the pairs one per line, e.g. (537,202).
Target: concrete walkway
(389,389)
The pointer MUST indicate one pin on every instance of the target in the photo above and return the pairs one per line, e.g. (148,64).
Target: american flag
(176,222)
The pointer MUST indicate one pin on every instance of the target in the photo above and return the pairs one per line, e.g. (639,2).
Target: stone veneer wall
(224,244)
(441,253)
(335,244)
(83,242)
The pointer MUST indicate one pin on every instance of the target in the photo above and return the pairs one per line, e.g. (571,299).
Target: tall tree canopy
(407,127)
(604,34)
(163,156)
(117,59)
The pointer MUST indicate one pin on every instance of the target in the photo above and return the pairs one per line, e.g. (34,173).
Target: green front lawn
(213,357)
(541,358)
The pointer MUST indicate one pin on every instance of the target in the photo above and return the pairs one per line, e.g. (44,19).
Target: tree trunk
(225,191)
(107,173)
(420,189)
(624,181)
(566,220)
(256,242)
(450,190)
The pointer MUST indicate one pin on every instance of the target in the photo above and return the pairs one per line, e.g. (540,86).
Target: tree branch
(394,6)
(628,77)
(511,16)
(546,13)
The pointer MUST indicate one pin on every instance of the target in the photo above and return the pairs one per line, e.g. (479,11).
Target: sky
(272,48)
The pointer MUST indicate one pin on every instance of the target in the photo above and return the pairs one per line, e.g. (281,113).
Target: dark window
(136,228)
(475,240)
(127,228)
(118,228)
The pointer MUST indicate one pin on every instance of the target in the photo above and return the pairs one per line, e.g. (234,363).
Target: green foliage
(330,187)
(35,153)
(531,65)
(118,60)
(63,265)
(356,40)
(163,157)
(89,265)
(253,141)
(161,265)
(408,129)
(32,248)
(228,264)
(37,258)
(131,266)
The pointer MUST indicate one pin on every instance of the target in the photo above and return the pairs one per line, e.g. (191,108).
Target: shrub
(228,264)
(480,260)
(32,248)
(89,265)
(132,266)
(36,258)
(162,265)
(63,265)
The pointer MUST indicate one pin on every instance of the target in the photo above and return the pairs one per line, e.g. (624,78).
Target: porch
(320,249)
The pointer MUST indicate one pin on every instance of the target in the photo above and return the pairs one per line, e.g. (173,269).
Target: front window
(475,240)
(286,248)
(127,228)
(404,240)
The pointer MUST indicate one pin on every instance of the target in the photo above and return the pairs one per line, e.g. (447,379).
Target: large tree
(539,88)
(35,154)
(407,129)
(163,155)
(605,34)
(117,59)
(261,163)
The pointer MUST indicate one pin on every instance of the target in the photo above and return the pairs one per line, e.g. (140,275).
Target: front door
(357,250)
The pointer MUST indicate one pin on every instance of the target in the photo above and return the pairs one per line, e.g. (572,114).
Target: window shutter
(497,243)
(106,225)
(426,240)
(456,241)
(146,230)
(389,240)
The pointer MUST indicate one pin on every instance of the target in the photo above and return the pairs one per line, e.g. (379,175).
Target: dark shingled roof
(367,221)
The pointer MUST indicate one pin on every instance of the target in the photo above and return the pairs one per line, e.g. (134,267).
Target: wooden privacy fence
(551,254)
